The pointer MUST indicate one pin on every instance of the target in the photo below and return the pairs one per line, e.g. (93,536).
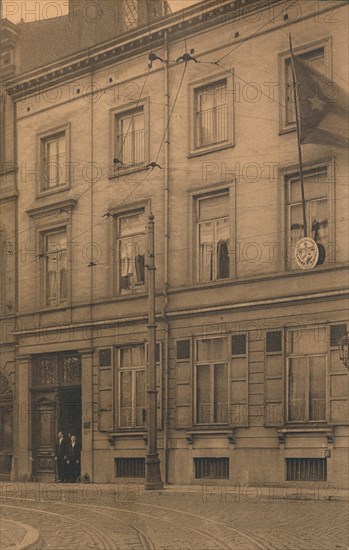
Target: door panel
(44,423)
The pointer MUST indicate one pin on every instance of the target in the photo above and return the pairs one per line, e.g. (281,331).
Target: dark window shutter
(183,384)
(105,390)
(274,383)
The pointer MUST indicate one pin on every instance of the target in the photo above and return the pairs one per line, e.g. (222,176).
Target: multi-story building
(188,117)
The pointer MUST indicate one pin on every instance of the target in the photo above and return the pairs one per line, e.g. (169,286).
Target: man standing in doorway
(61,457)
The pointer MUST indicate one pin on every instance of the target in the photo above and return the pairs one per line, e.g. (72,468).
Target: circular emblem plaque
(306,253)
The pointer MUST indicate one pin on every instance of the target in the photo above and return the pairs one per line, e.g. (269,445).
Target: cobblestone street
(125,516)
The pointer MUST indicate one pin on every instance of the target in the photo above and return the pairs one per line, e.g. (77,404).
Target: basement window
(306,469)
(130,467)
(211,468)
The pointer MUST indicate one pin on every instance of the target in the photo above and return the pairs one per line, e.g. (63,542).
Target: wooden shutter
(338,385)
(274,385)
(239,380)
(105,390)
(183,383)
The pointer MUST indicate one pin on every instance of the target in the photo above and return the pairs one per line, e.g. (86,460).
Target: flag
(323,107)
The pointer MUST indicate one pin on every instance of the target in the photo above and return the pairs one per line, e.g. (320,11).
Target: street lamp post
(152,461)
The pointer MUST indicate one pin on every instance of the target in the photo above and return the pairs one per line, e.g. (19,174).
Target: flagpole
(298,140)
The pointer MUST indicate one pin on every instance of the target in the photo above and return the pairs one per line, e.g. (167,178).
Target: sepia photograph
(174,282)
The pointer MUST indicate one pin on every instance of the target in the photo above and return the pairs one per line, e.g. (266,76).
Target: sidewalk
(18,536)
(224,490)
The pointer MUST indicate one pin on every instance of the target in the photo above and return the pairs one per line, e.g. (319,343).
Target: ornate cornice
(193,20)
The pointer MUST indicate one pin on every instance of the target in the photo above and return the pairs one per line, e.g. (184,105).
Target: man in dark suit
(73,459)
(61,456)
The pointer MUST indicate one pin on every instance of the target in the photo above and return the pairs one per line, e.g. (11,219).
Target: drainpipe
(166,242)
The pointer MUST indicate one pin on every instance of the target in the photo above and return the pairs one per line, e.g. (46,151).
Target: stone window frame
(193,88)
(42,138)
(289,356)
(325,43)
(193,259)
(292,172)
(115,114)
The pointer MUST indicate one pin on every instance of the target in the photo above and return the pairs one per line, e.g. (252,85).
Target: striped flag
(323,107)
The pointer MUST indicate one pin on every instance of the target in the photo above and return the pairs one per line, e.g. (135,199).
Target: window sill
(305,429)
(209,149)
(136,433)
(211,432)
(54,191)
(117,173)
(287,130)
(129,295)
(258,278)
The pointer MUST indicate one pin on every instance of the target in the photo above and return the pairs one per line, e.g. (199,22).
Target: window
(130,239)
(336,333)
(132,387)
(306,469)
(211,468)
(129,142)
(211,114)
(130,467)
(318,57)
(54,162)
(211,381)
(55,273)
(316,193)
(273,341)
(307,366)
(130,14)
(238,342)
(213,237)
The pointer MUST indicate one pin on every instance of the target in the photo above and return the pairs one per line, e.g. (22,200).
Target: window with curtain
(317,212)
(307,363)
(132,387)
(211,114)
(316,59)
(129,143)
(131,252)
(56,267)
(211,368)
(54,164)
(213,237)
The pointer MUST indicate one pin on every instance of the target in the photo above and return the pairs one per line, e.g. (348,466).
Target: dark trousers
(61,468)
(74,471)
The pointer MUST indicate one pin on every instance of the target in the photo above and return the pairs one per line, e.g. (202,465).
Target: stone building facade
(187,117)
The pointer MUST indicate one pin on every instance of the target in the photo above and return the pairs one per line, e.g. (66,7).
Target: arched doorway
(6,427)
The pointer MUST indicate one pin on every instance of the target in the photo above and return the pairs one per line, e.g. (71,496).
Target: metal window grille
(212,124)
(130,467)
(211,468)
(274,341)
(306,469)
(238,344)
(132,147)
(183,349)
(105,357)
(336,333)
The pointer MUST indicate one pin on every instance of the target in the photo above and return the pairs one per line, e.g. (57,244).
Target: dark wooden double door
(54,408)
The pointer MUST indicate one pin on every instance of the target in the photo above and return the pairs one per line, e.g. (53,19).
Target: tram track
(146,543)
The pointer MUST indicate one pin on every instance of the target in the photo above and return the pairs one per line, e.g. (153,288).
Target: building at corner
(188,116)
